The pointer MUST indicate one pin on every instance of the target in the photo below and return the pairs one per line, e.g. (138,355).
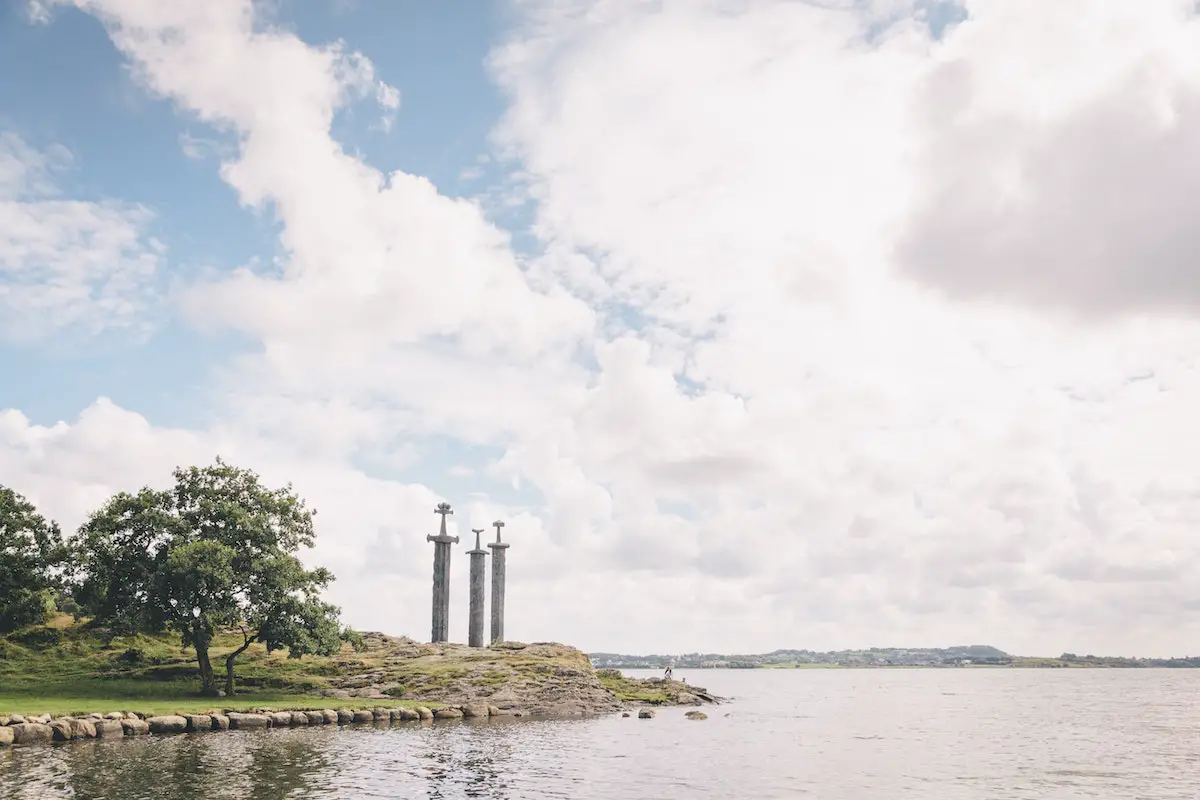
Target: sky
(762,323)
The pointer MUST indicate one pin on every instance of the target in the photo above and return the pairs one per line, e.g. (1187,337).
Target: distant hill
(871,657)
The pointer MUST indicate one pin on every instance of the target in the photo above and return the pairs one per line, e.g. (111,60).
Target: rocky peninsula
(67,680)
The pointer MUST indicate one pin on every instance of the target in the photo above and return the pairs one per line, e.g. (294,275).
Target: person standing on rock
(668,673)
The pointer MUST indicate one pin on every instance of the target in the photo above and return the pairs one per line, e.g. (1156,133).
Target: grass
(65,667)
(634,691)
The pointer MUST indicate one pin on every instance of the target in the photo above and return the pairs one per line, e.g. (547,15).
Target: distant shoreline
(967,656)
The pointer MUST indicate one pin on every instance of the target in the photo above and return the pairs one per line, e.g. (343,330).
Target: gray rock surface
(220,722)
(135,727)
(239,722)
(169,723)
(363,715)
(345,716)
(30,732)
(197,723)
(106,728)
(448,713)
(424,713)
(7,737)
(83,728)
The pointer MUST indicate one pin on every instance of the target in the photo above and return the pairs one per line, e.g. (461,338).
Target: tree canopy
(218,551)
(32,555)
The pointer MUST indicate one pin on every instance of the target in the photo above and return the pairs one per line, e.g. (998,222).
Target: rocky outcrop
(242,722)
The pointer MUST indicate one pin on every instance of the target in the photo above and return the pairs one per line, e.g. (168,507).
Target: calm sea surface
(831,734)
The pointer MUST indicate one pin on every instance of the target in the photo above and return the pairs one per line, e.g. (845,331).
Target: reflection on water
(931,735)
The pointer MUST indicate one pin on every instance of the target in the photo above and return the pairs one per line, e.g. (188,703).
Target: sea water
(829,734)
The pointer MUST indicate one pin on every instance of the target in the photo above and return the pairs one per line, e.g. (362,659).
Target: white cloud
(67,264)
(784,440)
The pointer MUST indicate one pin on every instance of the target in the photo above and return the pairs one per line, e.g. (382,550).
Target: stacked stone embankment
(19,729)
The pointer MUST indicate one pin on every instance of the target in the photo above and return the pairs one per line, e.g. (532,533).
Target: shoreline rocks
(21,730)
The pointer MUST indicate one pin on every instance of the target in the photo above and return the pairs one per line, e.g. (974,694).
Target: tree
(32,556)
(216,552)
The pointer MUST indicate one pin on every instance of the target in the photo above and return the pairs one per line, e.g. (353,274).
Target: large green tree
(32,556)
(218,551)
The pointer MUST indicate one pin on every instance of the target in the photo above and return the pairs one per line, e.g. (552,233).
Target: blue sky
(69,86)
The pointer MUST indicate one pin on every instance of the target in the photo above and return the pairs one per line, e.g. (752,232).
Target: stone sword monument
(441,577)
(497,547)
(475,626)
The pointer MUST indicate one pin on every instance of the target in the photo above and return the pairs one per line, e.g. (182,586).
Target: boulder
(625,714)
(345,716)
(117,715)
(331,716)
(220,722)
(381,714)
(6,736)
(168,723)
(241,722)
(316,717)
(447,713)
(424,713)
(31,732)
(474,711)
(94,716)
(62,730)
(645,713)
(135,727)
(109,727)
(15,719)
(696,715)
(198,722)
(3,720)
(40,719)
(134,715)
(408,714)
(83,728)
(493,711)
(280,719)
(687,699)
(299,717)
(363,715)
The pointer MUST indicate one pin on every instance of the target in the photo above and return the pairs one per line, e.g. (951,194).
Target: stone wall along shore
(18,729)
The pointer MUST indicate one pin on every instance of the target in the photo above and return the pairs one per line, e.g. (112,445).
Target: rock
(134,715)
(472,712)
(280,719)
(299,717)
(381,714)
(408,715)
(6,736)
(645,713)
(135,727)
(687,699)
(493,711)
(220,722)
(345,716)
(424,713)
(40,719)
(626,714)
(62,730)
(15,719)
(241,722)
(117,715)
(198,722)
(363,715)
(696,715)
(3,720)
(331,716)
(95,716)
(109,727)
(317,717)
(83,728)
(447,713)
(31,732)
(169,723)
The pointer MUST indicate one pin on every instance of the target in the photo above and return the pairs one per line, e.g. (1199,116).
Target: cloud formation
(785,371)
(68,265)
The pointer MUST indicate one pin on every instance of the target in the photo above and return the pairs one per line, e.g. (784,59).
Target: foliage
(217,551)
(32,556)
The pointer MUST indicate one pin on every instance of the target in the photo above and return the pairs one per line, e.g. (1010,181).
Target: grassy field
(64,667)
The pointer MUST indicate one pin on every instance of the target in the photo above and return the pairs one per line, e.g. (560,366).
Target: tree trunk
(208,681)
(232,657)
